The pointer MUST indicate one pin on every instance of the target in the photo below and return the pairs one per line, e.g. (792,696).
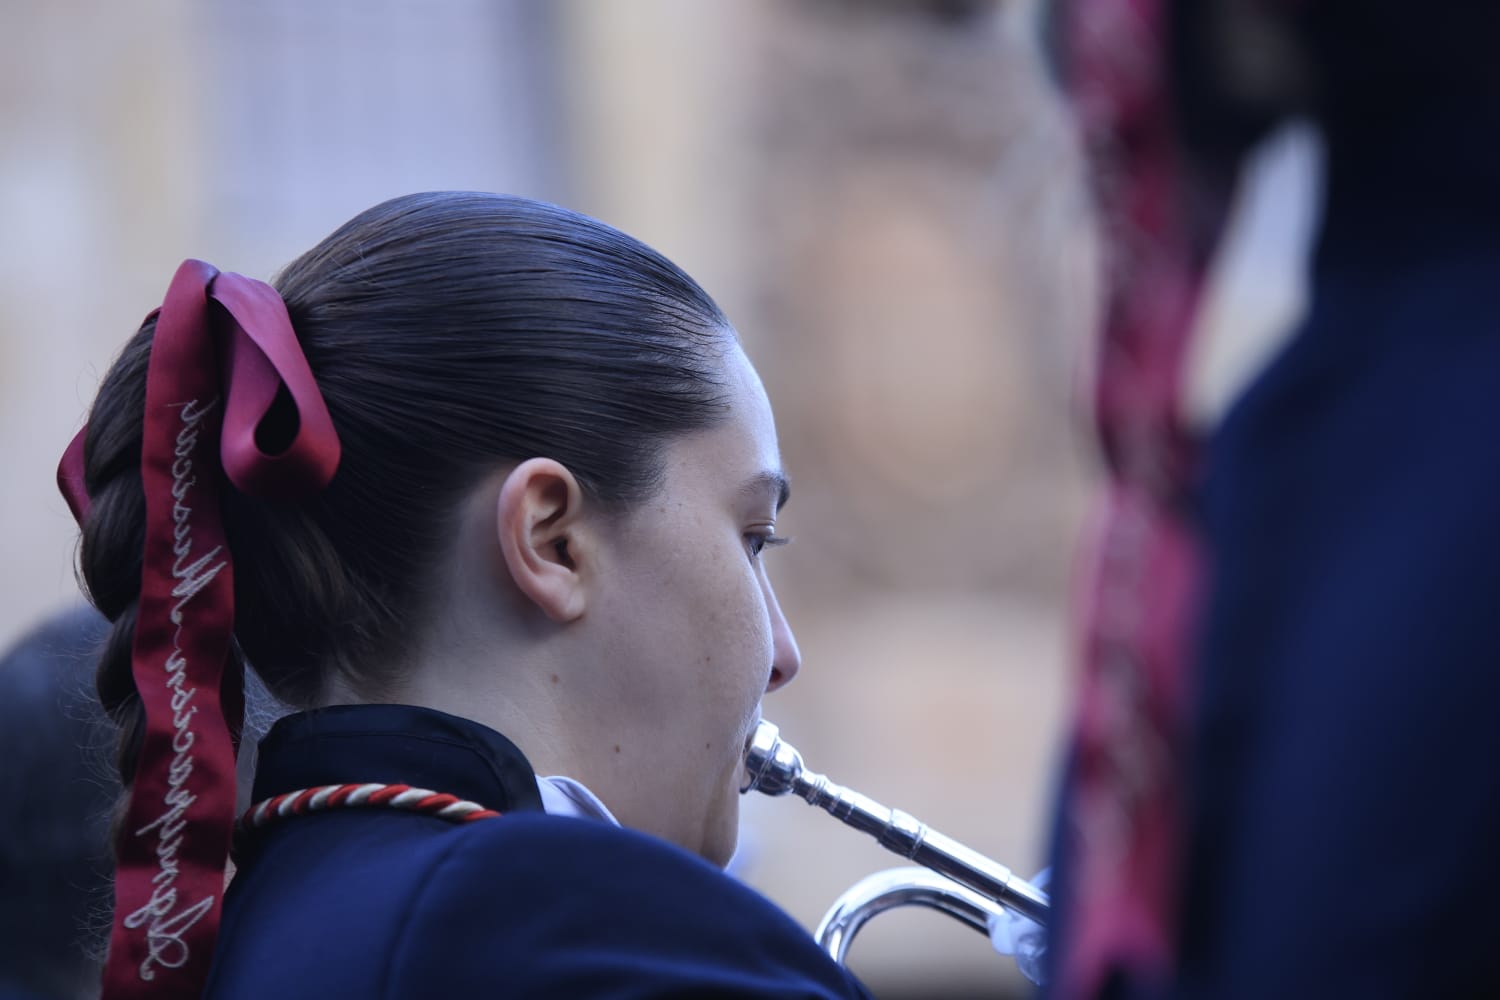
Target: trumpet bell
(874,894)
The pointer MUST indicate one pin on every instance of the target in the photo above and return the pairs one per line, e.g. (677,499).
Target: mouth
(755,721)
(740,775)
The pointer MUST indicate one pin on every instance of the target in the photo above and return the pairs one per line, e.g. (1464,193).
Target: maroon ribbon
(1123,810)
(226,378)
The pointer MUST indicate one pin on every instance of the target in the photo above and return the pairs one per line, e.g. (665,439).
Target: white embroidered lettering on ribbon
(165,922)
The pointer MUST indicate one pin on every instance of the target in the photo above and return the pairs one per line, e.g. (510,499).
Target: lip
(750,732)
(739,770)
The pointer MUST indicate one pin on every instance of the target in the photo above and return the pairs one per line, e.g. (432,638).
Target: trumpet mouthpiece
(771,766)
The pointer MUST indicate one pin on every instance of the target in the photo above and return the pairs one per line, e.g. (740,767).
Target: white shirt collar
(562,796)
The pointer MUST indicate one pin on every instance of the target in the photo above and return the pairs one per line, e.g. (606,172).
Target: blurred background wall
(884,195)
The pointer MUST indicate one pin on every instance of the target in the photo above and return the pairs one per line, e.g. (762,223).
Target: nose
(786,659)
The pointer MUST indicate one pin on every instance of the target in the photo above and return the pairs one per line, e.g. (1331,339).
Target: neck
(521,694)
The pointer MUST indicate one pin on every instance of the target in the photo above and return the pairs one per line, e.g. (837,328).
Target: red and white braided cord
(325,797)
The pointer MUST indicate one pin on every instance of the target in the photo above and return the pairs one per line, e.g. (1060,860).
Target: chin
(718,851)
(722,837)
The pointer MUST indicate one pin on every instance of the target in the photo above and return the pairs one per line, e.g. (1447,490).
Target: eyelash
(759,542)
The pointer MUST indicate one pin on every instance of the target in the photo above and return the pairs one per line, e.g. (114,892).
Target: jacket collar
(395,744)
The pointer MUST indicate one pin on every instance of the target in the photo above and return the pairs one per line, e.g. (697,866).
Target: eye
(758,541)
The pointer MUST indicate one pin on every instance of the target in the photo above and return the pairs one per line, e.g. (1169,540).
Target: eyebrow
(769,482)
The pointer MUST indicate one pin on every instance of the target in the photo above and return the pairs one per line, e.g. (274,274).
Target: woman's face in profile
(697,635)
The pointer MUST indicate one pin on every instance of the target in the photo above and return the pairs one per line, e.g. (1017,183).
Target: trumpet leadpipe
(774,767)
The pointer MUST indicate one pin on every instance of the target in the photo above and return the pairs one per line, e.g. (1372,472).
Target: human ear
(537,520)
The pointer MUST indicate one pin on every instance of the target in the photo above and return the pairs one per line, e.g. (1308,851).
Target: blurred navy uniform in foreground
(1324,761)
(1347,763)
(54,850)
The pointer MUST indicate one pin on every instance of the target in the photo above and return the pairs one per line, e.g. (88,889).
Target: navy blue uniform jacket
(1346,767)
(383,903)
(1344,778)
(1346,770)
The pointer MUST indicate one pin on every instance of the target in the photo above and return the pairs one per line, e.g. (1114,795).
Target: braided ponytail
(145,481)
(113,536)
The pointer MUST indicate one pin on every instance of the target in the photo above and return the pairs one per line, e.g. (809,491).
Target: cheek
(695,630)
(736,644)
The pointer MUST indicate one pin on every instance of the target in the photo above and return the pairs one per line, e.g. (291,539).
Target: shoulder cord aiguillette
(325,797)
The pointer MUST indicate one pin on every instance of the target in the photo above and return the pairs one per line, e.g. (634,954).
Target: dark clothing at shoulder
(380,903)
(1346,743)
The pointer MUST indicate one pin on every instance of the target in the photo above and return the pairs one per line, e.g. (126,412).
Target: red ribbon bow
(226,381)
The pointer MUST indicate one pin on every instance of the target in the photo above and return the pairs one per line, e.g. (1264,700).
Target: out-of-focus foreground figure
(56,745)
(54,849)
(1284,776)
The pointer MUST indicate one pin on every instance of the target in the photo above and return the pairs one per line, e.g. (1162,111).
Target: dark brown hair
(449,333)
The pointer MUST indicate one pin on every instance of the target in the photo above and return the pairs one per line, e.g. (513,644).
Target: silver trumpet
(954,879)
